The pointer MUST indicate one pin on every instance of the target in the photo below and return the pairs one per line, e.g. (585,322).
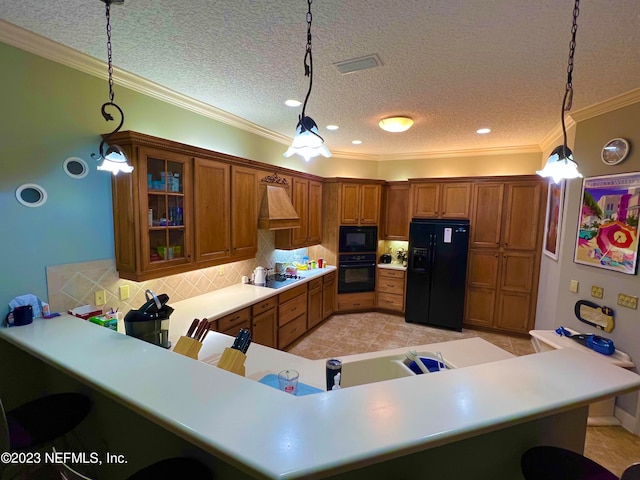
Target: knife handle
(192,328)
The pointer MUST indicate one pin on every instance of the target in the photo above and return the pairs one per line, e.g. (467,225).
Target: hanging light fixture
(112,156)
(307,142)
(560,164)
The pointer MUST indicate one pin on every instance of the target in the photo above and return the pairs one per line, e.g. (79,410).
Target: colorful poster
(553,223)
(608,222)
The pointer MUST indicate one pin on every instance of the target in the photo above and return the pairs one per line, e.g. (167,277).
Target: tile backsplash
(75,284)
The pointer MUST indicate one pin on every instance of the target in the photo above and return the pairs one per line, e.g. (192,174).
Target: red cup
(320,262)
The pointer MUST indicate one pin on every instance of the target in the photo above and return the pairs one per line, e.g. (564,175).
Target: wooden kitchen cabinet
(306,197)
(396,211)
(360,204)
(441,199)
(504,256)
(292,315)
(390,289)
(328,294)
(232,324)
(314,303)
(264,325)
(356,301)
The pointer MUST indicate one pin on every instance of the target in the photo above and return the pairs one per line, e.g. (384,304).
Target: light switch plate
(597,292)
(124,292)
(573,286)
(101,297)
(628,301)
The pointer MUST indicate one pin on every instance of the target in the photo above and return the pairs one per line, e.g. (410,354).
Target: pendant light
(307,142)
(112,156)
(560,164)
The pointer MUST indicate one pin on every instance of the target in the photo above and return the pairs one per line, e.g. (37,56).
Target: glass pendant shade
(115,160)
(396,124)
(560,165)
(307,142)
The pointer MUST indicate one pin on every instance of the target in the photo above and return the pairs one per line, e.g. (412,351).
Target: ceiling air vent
(355,64)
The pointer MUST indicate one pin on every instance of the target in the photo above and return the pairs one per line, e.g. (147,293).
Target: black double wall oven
(357,259)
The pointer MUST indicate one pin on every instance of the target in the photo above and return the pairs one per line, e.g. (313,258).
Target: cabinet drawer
(315,283)
(389,301)
(356,301)
(292,331)
(229,321)
(263,306)
(329,277)
(291,309)
(294,292)
(385,272)
(391,285)
(233,331)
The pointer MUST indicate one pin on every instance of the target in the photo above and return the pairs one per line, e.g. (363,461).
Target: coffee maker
(150,322)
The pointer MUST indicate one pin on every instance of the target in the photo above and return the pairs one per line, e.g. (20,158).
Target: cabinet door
(396,212)
(314,213)
(483,269)
(487,215)
(456,200)
(514,310)
(264,328)
(211,210)
(517,271)
(164,209)
(426,200)
(369,204)
(244,215)
(480,306)
(314,307)
(300,200)
(328,299)
(350,204)
(522,215)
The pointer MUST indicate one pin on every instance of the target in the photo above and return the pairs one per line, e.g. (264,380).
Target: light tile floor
(612,447)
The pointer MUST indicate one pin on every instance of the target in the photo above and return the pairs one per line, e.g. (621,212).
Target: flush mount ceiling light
(396,124)
(483,131)
(113,157)
(560,164)
(307,142)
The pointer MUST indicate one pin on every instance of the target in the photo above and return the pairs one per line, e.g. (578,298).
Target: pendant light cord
(308,58)
(568,94)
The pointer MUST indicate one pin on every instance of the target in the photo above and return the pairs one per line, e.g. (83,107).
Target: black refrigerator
(436,272)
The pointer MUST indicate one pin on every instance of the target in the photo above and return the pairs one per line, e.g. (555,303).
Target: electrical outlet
(597,292)
(101,297)
(221,270)
(124,292)
(573,286)
(628,301)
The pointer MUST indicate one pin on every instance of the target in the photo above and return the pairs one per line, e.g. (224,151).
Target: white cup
(245,279)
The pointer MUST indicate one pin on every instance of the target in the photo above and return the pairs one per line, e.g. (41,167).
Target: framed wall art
(608,222)
(553,222)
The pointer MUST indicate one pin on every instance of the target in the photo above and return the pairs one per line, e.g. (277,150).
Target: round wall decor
(75,167)
(31,195)
(615,151)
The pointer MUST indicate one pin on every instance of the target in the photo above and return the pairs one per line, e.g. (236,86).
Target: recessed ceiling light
(482,131)
(396,124)
(357,142)
(292,103)
(332,127)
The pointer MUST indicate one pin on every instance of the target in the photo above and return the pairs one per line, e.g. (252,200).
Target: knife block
(232,360)
(187,346)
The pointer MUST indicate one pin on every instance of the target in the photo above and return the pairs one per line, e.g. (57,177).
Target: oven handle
(368,264)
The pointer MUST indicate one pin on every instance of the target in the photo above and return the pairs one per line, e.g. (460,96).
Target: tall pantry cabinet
(504,253)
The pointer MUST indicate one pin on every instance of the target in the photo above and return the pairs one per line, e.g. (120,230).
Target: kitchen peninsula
(484,414)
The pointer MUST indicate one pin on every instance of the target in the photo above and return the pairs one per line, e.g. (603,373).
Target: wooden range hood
(276,210)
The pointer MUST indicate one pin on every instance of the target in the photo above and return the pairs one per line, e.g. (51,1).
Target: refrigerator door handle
(432,252)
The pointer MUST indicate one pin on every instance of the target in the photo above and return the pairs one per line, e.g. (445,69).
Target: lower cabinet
(314,303)
(356,301)
(264,326)
(390,289)
(328,295)
(292,315)
(232,324)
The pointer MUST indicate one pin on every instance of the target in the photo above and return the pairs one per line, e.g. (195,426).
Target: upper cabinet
(396,211)
(306,196)
(434,199)
(360,203)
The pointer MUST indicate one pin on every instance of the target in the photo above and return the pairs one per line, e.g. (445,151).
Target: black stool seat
(42,420)
(173,468)
(554,463)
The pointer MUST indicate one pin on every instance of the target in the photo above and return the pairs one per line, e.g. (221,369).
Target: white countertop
(319,435)
(392,266)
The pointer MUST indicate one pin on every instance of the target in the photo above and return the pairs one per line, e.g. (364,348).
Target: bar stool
(555,463)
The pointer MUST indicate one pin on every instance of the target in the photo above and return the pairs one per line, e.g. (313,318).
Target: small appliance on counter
(150,322)
(386,258)
(260,276)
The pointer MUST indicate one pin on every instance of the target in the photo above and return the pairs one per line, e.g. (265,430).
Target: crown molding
(614,103)
(56,52)
(552,138)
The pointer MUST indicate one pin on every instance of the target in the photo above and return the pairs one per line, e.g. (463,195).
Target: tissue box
(111,323)
(86,311)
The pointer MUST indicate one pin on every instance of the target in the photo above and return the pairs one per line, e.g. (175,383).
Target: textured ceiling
(454,66)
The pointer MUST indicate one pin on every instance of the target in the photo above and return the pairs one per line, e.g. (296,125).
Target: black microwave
(358,239)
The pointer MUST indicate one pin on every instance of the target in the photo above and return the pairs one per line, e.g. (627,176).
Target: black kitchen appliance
(386,258)
(436,272)
(150,322)
(356,273)
(354,239)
